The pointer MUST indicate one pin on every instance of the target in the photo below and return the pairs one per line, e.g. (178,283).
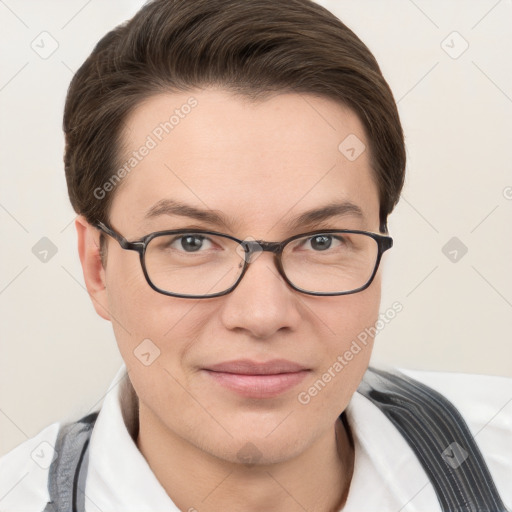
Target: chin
(253,450)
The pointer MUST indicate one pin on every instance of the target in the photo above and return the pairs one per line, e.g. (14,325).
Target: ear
(94,273)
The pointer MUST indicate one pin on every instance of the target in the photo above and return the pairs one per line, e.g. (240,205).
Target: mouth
(257,380)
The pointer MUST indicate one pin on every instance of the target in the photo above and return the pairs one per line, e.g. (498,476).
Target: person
(233,165)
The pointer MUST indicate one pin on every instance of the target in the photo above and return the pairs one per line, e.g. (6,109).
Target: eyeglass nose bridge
(253,248)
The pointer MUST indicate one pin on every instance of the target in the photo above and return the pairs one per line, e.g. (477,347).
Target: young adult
(233,165)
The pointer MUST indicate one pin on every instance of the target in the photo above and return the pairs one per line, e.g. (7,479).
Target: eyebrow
(316,215)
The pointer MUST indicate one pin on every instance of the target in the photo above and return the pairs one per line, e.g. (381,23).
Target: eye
(188,243)
(323,242)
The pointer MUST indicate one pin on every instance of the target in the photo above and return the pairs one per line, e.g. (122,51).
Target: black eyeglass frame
(384,243)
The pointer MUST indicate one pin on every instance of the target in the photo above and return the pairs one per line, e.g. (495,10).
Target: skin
(261,164)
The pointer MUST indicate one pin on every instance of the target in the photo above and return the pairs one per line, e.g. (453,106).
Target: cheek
(146,323)
(346,317)
(347,347)
(127,292)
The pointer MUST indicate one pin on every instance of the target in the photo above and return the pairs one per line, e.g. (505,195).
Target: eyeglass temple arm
(125,244)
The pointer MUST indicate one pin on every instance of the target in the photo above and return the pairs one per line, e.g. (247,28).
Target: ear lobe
(93,271)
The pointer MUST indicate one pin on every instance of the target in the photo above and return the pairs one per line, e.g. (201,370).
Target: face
(259,165)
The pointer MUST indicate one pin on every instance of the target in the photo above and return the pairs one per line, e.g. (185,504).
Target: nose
(263,302)
(253,248)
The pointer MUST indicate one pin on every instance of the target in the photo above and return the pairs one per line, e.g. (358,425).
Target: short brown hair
(251,48)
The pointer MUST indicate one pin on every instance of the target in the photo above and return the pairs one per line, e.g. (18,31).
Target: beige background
(58,356)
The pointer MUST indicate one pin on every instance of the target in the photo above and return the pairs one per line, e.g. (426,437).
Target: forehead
(257,162)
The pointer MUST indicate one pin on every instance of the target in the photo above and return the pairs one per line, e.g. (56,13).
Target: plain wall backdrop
(450,68)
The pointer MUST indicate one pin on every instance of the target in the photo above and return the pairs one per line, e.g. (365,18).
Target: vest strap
(440,438)
(66,481)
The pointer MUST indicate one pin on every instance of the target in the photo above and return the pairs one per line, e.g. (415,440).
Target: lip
(254,379)
(250,367)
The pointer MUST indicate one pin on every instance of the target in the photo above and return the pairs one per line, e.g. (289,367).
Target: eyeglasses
(199,264)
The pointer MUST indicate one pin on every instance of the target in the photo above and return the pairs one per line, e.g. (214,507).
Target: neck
(317,480)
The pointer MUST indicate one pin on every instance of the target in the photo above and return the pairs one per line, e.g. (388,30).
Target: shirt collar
(387,474)
(119,477)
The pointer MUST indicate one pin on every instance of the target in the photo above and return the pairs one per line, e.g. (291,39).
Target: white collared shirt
(387,474)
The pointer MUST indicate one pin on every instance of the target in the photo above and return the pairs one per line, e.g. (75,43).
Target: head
(242,109)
